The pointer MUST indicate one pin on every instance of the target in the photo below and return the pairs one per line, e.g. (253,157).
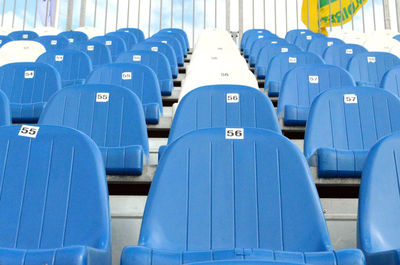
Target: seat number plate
(350,99)
(232,98)
(234,133)
(102,97)
(28,131)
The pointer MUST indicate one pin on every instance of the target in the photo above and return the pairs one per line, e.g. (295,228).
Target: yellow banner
(340,10)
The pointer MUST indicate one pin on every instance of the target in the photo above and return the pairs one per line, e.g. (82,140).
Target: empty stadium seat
(391,81)
(89,31)
(340,55)
(180,32)
(44,31)
(129,38)
(174,43)
(397,37)
(177,36)
(302,41)
(138,78)
(75,37)
(28,86)
(368,68)
(253,38)
(23,35)
(53,42)
(164,49)
(378,232)
(302,85)
(267,53)
(244,262)
(98,53)
(282,63)
(259,44)
(292,35)
(344,124)
(73,65)
(5,115)
(137,32)
(356,38)
(4,39)
(54,199)
(115,44)
(214,197)
(157,61)
(319,45)
(111,115)
(248,33)
(205,59)
(21,51)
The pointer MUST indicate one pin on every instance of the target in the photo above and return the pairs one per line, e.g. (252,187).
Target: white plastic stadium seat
(21,51)
(90,32)
(382,44)
(44,31)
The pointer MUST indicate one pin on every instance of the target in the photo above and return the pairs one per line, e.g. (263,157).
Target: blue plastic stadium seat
(174,43)
(391,81)
(180,32)
(253,38)
(282,63)
(248,33)
(74,37)
(73,65)
(98,53)
(267,53)
(111,115)
(23,35)
(302,41)
(244,262)
(4,40)
(28,86)
(259,44)
(340,55)
(368,68)
(116,44)
(5,114)
(162,48)
(55,42)
(157,61)
(137,32)
(378,230)
(175,35)
(397,37)
(344,124)
(302,85)
(292,35)
(138,78)
(214,198)
(128,37)
(319,45)
(54,201)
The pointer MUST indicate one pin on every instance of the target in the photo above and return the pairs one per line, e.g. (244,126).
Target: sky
(204,15)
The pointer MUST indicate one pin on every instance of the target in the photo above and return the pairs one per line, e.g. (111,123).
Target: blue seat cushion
(296,115)
(126,160)
(390,257)
(26,112)
(166,87)
(340,163)
(260,72)
(152,113)
(274,88)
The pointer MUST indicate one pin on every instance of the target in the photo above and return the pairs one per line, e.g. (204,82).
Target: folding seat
(89,31)
(244,262)
(259,44)
(384,44)
(378,230)
(44,31)
(302,41)
(53,42)
(292,35)
(129,38)
(302,85)
(111,115)
(368,68)
(137,32)
(217,59)
(340,55)
(28,86)
(180,32)
(164,49)
(157,61)
(391,81)
(344,124)
(175,35)
(139,78)
(282,63)
(253,38)
(54,201)
(215,198)
(267,53)
(342,33)
(116,44)
(319,45)
(75,37)
(248,33)
(174,43)
(73,65)
(98,53)
(23,35)
(356,38)
(4,39)
(21,51)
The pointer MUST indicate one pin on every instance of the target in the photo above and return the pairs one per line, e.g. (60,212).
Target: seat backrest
(259,44)
(302,41)
(54,189)
(44,31)
(29,82)
(115,44)
(269,51)
(351,119)
(379,198)
(319,45)
(71,64)
(247,34)
(138,78)
(4,39)
(223,106)
(292,35)
(181,32)
(369,67)
(303,84)
(5,112)
(391,81)
(340,55)
(178,35)
(111,115)
(53,42)
(174,43)
(23,35)
(91,32)
(213,190)
(128,37)
(283,62)
(74,37)
(137,32)
(22,51)
(98,53)
(253,38)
